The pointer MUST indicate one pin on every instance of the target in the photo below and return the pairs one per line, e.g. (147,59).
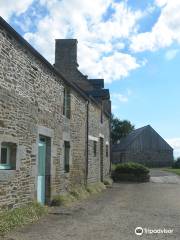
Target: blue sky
(133,45)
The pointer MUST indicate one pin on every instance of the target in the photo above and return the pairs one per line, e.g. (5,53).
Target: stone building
(143,145)
(54,122)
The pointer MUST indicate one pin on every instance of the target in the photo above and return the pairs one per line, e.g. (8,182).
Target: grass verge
(77,193)
(30,213)
(17,217)
(173,170)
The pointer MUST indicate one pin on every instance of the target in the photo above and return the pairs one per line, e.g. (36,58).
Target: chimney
(66,55)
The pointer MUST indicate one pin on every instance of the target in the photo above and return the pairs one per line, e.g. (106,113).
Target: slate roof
(98,83)
(126,141)
(96,93)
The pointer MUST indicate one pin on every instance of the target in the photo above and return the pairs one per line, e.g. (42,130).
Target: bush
(176,164)
(130,172)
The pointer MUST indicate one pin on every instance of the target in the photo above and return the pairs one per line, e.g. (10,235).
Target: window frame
(10,162)
(67,102)
(107,150)
(95,148)
(67,147)
(8,155)
(101,116)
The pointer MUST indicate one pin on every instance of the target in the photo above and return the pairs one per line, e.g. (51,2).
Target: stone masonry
(31,104)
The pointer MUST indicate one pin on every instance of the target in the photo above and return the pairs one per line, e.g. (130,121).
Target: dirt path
(113,215)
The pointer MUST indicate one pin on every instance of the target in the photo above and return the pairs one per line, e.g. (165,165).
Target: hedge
(130,171)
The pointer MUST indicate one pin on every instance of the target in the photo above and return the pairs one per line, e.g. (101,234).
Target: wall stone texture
(31,99)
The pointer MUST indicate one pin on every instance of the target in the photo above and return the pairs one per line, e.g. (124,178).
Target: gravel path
(159,176)
(113,215)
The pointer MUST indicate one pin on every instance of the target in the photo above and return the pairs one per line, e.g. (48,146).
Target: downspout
(87,141)
(110,146)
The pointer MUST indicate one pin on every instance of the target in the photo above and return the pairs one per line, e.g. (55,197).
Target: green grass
(96,188)
(17,217)
(108,182)
(63,200)
(173,170)
(77,193)
(30,213)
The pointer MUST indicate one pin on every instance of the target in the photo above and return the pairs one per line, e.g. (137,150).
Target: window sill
(5,167)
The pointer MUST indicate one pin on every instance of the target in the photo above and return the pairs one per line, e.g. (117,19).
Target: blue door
(41,170)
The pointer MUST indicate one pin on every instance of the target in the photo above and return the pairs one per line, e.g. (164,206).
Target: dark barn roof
(125,142)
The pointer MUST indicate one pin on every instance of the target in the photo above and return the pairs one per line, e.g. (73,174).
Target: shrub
(176,164)
(130,172)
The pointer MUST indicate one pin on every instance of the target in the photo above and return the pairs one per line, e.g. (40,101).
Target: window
(5,155)
(66,155)
(95,148)
(8,156)
(66,102)
(107,150)
(101,115)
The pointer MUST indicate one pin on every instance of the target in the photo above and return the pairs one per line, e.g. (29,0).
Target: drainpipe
(110,146)
(87,141)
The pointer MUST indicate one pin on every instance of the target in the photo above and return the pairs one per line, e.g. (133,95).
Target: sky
(133,45)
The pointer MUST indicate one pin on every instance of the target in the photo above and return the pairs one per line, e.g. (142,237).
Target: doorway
(44,160)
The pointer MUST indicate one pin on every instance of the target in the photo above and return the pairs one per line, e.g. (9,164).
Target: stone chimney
(66,55)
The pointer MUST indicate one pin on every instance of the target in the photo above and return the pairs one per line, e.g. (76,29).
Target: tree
(120,128)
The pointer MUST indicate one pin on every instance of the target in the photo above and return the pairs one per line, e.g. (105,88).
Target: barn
(143,145)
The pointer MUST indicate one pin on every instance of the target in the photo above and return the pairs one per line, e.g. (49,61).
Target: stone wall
(31,104)
(97,130)
(31,99)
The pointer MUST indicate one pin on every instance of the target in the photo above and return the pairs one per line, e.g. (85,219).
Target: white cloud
(161,3)
(120,98)
(165,31)
(9,7)
(118,66)
(175,143)
(100,43)
(171,54)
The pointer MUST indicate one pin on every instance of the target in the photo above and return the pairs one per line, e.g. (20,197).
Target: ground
(115,213)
